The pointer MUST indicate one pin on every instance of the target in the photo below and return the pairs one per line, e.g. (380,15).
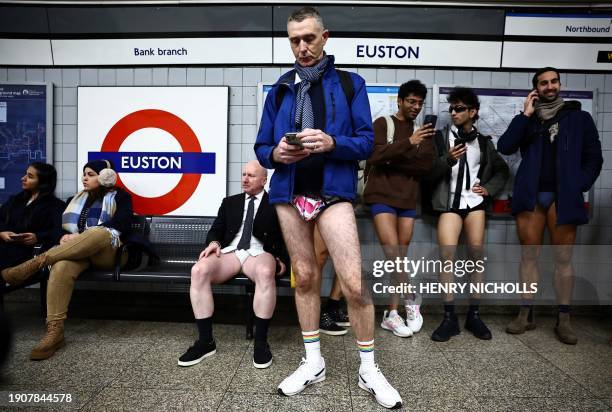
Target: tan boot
(18,274)
(564,330)
(52,341)
(521,323)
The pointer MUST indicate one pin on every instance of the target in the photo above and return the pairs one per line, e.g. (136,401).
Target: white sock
(312,344)
(391,313)
(366,354)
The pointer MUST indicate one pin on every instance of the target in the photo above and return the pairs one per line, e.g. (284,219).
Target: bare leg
(339,231)
(474,225)
(562,238)
(299,240)
(207,271)
(261,270)
(530,228)
(449,229)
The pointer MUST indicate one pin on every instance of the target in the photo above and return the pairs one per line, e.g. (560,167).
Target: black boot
(474,324)
(447,329)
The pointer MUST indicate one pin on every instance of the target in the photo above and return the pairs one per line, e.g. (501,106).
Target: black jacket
(265,226)
(43,217)
(493,173)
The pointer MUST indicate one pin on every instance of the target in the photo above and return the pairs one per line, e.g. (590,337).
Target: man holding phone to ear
(330,111)
(468,172)
(560,159)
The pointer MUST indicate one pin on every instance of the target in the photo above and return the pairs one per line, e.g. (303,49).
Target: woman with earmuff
(94,222)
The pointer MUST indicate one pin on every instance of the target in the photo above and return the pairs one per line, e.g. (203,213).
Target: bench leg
(250,292)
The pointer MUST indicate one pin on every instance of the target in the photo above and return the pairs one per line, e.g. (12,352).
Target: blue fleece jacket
(351,127)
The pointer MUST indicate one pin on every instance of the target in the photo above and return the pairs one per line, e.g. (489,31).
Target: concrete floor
(131,365)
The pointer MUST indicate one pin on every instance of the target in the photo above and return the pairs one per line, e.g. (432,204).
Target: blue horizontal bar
(159,162)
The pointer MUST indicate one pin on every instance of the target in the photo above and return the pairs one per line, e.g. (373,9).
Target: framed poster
(167,144)
(26,131)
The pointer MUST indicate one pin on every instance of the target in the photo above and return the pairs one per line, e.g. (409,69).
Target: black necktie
(462,169)
(247,230)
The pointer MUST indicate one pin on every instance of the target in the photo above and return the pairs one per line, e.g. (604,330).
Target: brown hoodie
(394,170)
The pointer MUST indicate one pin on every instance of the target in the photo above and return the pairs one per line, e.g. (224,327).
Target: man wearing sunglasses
(468,172)
(560,159)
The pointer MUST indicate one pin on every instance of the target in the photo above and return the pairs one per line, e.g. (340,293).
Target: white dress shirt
(256,245)
(468,198)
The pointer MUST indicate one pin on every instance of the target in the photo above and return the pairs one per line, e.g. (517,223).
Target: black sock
(449,307)
(332,304)
(261,329)
(205,330)
(564,308)
(474,305)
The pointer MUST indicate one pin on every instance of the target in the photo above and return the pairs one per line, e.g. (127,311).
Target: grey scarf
(304,117)
(546,111)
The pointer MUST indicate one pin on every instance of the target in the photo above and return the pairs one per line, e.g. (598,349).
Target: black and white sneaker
(329,327)
(197,353)
(373,381)
(306,374)
(340,317)
(262,357)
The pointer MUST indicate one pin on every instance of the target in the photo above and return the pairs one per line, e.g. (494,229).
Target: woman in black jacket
(94,222)
(33,216)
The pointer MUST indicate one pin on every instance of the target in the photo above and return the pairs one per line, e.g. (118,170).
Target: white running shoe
(395,323)
(414,319)
(373,381)
(306,374)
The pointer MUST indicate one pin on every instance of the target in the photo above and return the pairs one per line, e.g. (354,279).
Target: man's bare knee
(200,273)
(265,273)
(530,253)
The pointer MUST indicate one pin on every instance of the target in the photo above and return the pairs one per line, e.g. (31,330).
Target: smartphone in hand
(292,139)
(17,236)
(431,118)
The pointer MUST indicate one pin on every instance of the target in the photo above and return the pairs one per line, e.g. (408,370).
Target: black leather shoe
(474,324)
(339,316)
(262,357)
(329,327)
(447,329)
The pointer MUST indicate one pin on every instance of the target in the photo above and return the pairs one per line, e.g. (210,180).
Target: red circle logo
(181,131)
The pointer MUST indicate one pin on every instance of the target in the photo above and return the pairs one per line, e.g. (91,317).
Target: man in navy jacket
(561,159)
(315,179)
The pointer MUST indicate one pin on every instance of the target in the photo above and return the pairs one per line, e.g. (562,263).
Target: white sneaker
(414,319)
(395,324)
(306,374)
(373,381)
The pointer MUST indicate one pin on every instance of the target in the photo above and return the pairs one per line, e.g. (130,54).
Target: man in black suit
(244,237)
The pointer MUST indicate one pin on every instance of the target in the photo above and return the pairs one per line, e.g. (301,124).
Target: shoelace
(396,320)
(411,312)
(380,377)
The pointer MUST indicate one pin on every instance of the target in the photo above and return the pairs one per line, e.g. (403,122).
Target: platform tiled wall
(243,119)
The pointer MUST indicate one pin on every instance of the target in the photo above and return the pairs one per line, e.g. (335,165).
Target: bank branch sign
(167,144)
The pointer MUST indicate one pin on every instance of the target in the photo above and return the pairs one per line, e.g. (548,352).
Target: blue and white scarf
(106,206)
(304,117)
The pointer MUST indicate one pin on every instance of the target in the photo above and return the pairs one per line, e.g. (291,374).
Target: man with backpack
(313,136)
(402,154)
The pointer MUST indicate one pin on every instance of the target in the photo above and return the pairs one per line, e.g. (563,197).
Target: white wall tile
(196,76)
(89,77)
(177,76)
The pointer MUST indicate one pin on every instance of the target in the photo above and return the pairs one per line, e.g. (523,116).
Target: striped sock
(312,344)
(366,353)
